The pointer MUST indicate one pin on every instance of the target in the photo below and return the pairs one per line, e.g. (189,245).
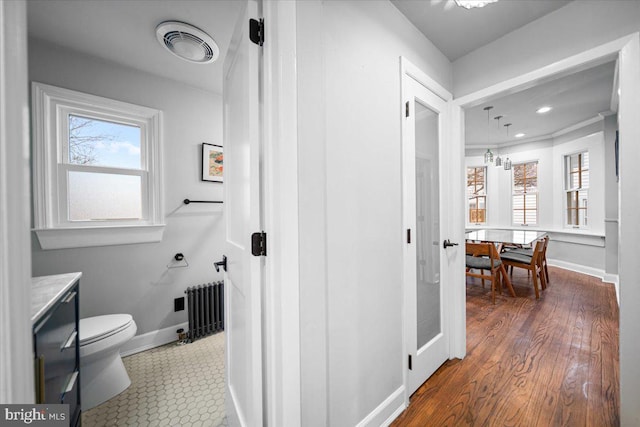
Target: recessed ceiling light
(543,110)
(519,135)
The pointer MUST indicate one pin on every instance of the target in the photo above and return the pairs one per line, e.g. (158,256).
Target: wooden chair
(542,258)
(529,262)
(485,257)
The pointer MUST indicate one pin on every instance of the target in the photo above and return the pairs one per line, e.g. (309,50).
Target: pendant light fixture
(507,161)
(488,156)
(498,158)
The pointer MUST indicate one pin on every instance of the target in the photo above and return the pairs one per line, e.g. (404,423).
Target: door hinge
(410,365)
(259,244)
(256,31)
(408,235)
(406,109)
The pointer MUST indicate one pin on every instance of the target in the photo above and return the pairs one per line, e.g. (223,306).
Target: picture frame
(212,162)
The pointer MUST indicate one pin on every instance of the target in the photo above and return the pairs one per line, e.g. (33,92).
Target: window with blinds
(477,194)
(577,189)
(524,203)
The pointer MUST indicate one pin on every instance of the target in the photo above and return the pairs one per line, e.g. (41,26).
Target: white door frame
(627,51)
(453,296)
(16,344)
(281,322)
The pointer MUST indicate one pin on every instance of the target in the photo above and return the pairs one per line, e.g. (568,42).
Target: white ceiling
(575,98)
(457,31)
(123,31)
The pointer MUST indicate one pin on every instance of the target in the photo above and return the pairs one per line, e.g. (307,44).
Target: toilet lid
(94,328)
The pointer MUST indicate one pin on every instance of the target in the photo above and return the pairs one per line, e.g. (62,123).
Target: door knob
(447,243)
(222,263)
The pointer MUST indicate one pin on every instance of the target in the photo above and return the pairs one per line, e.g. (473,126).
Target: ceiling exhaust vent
(187,42)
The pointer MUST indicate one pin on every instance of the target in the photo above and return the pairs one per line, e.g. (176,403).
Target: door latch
(447,243)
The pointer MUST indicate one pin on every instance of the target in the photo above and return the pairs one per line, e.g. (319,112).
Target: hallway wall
(350,205)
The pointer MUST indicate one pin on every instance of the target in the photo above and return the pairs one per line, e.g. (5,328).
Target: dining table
(505,236)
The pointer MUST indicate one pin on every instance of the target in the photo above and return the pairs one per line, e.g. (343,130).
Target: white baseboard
(387,411)
(595,272)
(613,278)
(152,339)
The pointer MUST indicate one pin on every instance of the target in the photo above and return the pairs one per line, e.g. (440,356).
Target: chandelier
(469,4)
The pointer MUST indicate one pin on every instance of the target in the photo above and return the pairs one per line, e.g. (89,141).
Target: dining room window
(576,187)
(524,204)
(477,194)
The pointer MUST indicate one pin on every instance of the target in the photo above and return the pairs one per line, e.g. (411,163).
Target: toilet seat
(97,328)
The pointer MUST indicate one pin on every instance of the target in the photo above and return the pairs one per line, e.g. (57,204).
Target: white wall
(350,204)
(588,251)
(134,278)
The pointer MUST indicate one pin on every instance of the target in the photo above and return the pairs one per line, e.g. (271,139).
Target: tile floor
(172,385)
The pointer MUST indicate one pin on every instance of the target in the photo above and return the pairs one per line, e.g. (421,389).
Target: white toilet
(102,373)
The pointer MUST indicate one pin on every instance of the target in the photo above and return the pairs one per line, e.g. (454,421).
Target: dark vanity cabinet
(56,343)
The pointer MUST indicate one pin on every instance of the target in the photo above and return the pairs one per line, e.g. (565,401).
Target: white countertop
(47,290)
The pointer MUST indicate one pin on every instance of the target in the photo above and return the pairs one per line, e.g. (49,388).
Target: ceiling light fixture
(469,4)
(498,162)
(519,135)
(488,156)
(187,42)
(543,110)
(507,161)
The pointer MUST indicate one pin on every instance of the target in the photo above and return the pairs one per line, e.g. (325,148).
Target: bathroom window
(96,170)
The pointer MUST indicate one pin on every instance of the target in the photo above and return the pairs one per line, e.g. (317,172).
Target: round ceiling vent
(187,42)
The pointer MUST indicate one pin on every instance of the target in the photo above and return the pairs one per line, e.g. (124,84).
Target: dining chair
(485,257)
(542,258)
(531,263)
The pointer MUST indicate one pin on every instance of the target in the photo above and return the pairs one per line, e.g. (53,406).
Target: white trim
(49,103)
(595,272)
(615,279)
(382,415)
(82,237)
(577,126)
(584,60)
(16,335)
(578,268)
(282,368)
(408,68)
(152,339)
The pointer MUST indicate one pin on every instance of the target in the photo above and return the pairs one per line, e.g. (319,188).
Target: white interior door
(244,272)
(426,275)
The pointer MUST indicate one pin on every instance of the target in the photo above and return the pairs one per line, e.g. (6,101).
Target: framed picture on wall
(212,162)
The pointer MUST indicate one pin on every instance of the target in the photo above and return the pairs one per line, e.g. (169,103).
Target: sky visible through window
(101,143)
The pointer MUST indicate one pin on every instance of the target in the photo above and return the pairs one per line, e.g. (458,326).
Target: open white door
(427,275)
(243,206)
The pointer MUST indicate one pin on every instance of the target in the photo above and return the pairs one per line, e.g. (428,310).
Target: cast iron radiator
(205,306)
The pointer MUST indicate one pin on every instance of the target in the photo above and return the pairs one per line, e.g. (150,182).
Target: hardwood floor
(550,362)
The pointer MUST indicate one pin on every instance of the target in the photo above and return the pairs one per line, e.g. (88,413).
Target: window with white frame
(524,202)
(576,185)
(96,170)
(477,194)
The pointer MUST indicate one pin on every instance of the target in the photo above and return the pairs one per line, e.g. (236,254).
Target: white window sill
(82,237)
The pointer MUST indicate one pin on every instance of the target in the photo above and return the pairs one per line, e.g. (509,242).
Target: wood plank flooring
(550,362)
